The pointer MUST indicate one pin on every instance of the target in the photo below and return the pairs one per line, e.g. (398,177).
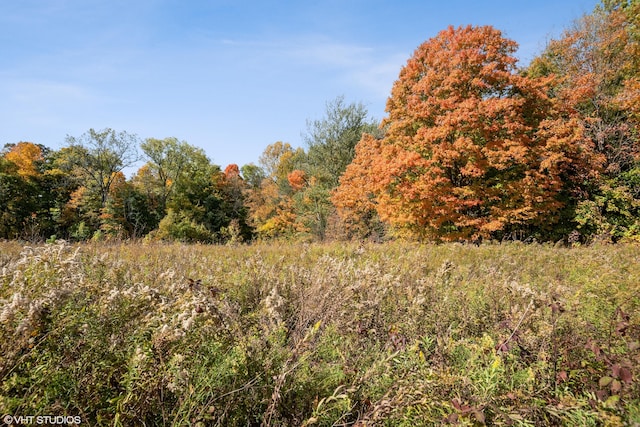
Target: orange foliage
(590,58)
(354,198)
(272,214)
(596,74)
(297,179)
(232,171)
(272,210)
(231,180)
(118,181)
(471,148)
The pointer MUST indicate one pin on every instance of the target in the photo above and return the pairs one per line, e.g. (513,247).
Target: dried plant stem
(505,342)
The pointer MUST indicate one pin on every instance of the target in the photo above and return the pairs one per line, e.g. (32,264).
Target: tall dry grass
(339,334)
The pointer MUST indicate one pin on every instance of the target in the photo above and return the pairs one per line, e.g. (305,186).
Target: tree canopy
(472,147)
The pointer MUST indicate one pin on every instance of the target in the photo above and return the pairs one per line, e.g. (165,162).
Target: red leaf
(615,369)
(562,376)
(456,403)
(626,376)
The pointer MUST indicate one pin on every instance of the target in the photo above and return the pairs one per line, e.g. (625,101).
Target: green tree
(192,197)
(194,184)
(28,194)
(177,176)
(181,227)
(61,179)
(233,188)
(127,213)
(332,139)
(100,155)
(167,160)
(16,200)
(252,175)
(331,145)
(312,205)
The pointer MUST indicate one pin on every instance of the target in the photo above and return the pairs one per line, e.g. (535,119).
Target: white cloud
(378,75)
(331,54)
(28,92)
(365,68)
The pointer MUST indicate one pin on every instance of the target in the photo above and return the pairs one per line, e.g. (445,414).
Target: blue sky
(228,76)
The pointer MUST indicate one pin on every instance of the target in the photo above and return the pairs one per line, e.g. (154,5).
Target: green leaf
(605,381)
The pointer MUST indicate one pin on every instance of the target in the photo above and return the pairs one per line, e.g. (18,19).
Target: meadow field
(393,334)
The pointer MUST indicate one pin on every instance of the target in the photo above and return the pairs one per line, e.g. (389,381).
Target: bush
(179,227)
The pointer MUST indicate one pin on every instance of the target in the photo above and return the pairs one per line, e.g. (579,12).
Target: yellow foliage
(25,155)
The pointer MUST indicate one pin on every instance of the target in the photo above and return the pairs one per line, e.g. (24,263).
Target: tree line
(472,148)
(80,191)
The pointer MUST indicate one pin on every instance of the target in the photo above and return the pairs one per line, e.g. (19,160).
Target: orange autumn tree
(26,156)
(472,149)
(272,211)
(355,197)
(595,66)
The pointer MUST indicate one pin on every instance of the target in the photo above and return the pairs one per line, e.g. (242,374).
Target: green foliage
(253,175)
(612,215)
(180,227)
(81,231)
(332,140)
(313,208)
(99,155)
(15,203)
(170,162)
(132,213)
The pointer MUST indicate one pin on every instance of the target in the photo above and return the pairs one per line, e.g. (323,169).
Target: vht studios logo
(41,420)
